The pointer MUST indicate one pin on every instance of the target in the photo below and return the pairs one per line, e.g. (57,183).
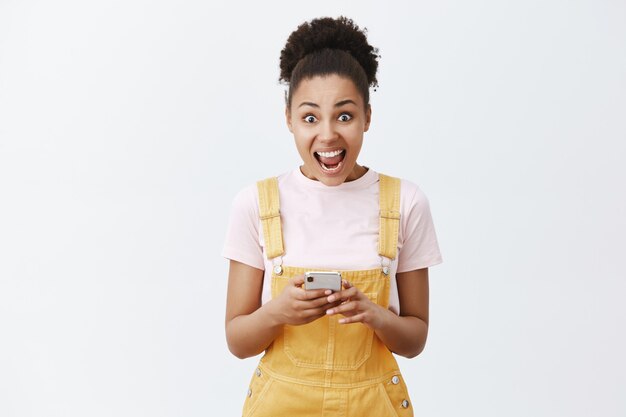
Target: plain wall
(126,128)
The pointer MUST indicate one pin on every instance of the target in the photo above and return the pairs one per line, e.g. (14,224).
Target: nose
(327,131)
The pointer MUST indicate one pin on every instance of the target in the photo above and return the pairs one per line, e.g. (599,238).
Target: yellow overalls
(324,368)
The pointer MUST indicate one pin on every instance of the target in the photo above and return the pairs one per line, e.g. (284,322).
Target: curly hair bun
(328,33)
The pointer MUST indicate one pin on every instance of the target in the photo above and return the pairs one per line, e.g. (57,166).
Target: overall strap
(269,211)
(389,193)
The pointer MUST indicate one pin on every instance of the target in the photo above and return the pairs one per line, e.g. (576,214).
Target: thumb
(297,281)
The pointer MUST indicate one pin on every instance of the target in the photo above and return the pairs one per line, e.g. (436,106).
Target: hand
(356,307)
(297,306)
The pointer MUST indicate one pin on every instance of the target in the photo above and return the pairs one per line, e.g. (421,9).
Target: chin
(331,179)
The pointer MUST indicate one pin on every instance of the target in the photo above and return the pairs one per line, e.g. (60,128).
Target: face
(328,117)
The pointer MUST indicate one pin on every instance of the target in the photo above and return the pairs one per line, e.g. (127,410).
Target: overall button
(278,270)
(250,393)
(395,380)
(405,404)
(386,270)
(258,372)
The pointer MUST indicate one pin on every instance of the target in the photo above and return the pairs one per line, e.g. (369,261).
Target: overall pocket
(355,340)
(324,343)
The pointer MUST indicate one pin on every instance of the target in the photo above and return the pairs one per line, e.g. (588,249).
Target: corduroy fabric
(325,368)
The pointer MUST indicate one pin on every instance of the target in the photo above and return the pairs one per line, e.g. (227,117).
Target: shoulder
(282,179)
(247,198)
(412,195)
(414,205)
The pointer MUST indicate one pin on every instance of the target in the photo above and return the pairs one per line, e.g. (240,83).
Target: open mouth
(331,161)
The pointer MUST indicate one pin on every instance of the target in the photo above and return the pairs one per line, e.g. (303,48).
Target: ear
(368,117)
(288,119)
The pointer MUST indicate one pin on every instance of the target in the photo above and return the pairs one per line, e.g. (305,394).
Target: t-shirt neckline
(367,179)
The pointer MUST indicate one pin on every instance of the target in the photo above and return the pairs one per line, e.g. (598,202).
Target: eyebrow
(338,104)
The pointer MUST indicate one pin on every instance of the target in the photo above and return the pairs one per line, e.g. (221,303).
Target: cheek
(303,144)
(354,138)
(303,135)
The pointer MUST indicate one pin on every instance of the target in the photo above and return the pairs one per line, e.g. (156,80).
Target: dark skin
(326,113)
(252,327)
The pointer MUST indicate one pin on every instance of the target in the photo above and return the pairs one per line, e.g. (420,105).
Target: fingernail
(341,321)
(327,292)
(329,311)
(331,299)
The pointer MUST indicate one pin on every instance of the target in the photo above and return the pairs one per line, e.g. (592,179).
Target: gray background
(126,128)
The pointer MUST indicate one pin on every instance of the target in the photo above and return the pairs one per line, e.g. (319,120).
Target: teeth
(329,154)
(325,168)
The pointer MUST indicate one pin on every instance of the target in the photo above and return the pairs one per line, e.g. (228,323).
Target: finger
(357,318)
(302,305)
(301,294)
(350,306)
(313,312)
(346,284)
(308,295)
(320,293)
(297,281)
(343,295)
(330,305)
(321,302)
(318,303)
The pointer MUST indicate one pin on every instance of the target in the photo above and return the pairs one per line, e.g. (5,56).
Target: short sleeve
(418,243)
(242,237)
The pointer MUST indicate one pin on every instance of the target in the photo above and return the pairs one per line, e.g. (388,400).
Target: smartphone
(314,280)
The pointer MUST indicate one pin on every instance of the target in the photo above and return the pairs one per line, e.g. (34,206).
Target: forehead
(327,89)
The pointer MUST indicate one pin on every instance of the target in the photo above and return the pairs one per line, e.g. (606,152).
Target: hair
(327,46)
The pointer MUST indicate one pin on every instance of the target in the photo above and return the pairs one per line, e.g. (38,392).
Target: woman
(329,353)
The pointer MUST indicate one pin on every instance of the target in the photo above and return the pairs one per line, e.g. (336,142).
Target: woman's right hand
(296,306)
(252,326)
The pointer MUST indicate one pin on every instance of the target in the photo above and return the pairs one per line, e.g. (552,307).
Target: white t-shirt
(333,228)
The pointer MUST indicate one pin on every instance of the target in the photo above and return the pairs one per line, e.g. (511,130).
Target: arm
(252,327)
(248,328)
(404,334)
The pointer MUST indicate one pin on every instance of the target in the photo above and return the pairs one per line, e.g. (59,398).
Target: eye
(309,118)
(345,117)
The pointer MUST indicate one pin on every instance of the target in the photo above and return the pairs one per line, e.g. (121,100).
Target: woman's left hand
(356,307)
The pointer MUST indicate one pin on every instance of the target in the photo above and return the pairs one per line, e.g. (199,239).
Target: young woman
(329,353)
